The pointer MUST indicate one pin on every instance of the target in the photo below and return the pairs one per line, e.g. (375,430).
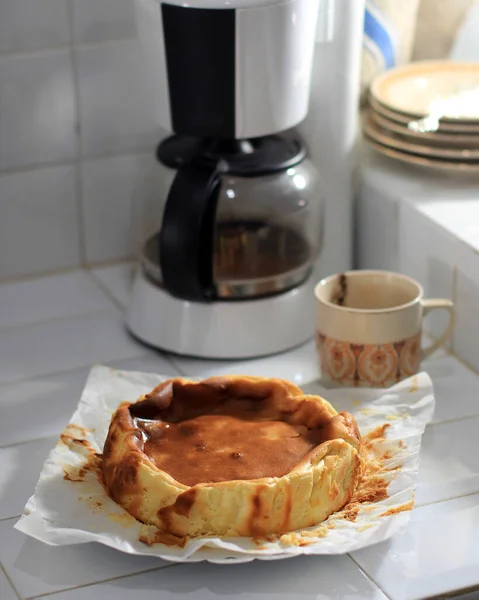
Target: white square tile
(6,590)
(429,254)
(63,345)
(459,216)
(466,332)
(108,186)
(39,407)
(377,229)
(448,466)
(48,298)
(413,185)
(117,280)
(321,578)
(102,20)
(114,102)
(39,228)
(37,109)
(455,387)
(299,366)
(27,25)
(36,569)
(437,553)
(20,467)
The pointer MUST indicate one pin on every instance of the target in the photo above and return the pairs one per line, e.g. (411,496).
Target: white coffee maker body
(252,82)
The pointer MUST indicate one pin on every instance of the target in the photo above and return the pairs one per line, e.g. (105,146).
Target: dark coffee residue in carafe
(257,249)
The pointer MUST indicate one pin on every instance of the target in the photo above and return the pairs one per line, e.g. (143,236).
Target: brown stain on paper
(372,488)
(398,509)
(414,385)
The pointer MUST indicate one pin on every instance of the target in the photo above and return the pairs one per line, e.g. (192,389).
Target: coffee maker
(229,219)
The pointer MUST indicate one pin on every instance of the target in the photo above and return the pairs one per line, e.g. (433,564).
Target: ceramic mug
(368,327)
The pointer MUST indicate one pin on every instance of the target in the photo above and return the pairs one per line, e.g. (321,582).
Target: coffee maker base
(220,330)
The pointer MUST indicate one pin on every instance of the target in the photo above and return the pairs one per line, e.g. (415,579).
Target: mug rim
(370,311)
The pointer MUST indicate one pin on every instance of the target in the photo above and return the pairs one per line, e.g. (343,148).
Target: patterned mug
(368,327)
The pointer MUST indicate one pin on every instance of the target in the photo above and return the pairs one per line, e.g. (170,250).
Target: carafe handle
(187,233)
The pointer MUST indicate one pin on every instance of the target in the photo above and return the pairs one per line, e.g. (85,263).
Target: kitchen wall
(75,128)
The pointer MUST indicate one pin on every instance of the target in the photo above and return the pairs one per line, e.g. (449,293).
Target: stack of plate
(427,113)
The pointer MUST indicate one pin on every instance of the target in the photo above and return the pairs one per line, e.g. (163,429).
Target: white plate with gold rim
(422,88)
(444,126)
(374,131)
(442,139)
(423,162)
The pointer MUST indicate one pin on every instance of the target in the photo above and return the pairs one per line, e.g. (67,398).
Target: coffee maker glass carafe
(229,220)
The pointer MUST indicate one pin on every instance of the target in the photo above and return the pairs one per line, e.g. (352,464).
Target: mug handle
(429,304)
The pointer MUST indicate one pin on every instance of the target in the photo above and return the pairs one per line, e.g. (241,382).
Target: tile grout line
(118,303)
(88,366)
(450,351)
(32,441)
(7,577)
(177,367)
(13,279)
(447,499)
(368,576)
(104,288)
(78,138)
(457,594)
(72,162)
(71,317)
(452,420)
(63,47)
(9,518)
(119,577)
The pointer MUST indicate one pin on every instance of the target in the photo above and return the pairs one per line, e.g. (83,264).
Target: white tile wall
(46,298)
(74,343)
(33,24)
(427,227)
(117,281)
(37,109)
(39,228)
(429,254)
(101,20)
(466,333)
(376,244)
(460,216)
(108,186)
(452,401)
(65,100)
(114,108)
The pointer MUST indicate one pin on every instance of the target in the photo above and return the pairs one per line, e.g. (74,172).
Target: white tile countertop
(53,329)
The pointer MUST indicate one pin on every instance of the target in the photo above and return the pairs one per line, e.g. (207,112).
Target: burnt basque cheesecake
(231,456)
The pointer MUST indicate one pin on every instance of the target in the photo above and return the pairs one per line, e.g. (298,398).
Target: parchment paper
(70,506)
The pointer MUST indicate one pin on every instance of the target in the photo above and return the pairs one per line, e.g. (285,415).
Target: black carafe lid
(257,156)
